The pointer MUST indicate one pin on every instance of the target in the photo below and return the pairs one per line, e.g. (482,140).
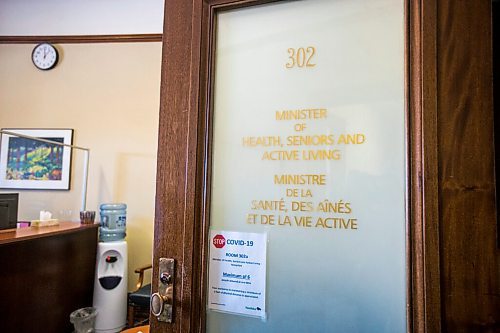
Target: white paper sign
(237,272)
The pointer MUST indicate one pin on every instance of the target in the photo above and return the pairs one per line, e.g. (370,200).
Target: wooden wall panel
(469,257)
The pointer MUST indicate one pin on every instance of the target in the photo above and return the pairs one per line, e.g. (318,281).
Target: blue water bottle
(113,222)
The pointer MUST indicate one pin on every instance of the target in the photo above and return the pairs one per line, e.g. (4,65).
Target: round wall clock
(45,56)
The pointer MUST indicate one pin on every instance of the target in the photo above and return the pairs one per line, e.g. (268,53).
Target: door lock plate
(162,302)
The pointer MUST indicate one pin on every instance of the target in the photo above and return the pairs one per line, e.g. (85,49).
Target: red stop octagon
(219,241)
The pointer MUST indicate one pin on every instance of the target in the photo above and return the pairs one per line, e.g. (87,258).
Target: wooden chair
(138,300)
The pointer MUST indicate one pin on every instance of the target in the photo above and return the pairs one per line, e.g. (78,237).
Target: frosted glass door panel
(309,148)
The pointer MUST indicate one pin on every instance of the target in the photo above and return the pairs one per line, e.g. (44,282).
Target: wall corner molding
(82,39)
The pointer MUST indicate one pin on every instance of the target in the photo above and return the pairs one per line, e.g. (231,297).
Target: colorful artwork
(35,164)
(30,159)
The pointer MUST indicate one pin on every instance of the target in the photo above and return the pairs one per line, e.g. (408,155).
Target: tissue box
(47,223)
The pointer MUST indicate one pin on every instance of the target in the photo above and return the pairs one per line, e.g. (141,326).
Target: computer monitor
(8,210)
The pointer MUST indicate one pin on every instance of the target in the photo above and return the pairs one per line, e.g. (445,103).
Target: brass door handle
(158,303)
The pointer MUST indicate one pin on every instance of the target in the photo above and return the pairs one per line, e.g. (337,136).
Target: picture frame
(35,165)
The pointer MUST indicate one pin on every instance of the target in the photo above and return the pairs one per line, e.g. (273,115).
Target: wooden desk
(45,274)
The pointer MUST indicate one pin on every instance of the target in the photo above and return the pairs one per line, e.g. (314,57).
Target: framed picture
(31,164)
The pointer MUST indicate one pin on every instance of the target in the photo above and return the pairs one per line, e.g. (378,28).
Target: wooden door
(452,265)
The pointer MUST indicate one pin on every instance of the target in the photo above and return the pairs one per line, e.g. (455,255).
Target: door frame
(182,198)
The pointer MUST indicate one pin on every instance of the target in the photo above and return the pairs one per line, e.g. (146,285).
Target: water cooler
(110,285)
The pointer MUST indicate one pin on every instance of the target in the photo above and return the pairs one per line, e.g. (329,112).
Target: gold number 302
(301,57)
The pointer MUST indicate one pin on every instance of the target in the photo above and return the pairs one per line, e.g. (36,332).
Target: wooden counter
(16,235)
(45,274)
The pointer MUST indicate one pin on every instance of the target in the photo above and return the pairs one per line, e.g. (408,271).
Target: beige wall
(80,17)
(109,95)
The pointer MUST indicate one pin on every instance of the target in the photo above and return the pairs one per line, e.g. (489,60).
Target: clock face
(45,56)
